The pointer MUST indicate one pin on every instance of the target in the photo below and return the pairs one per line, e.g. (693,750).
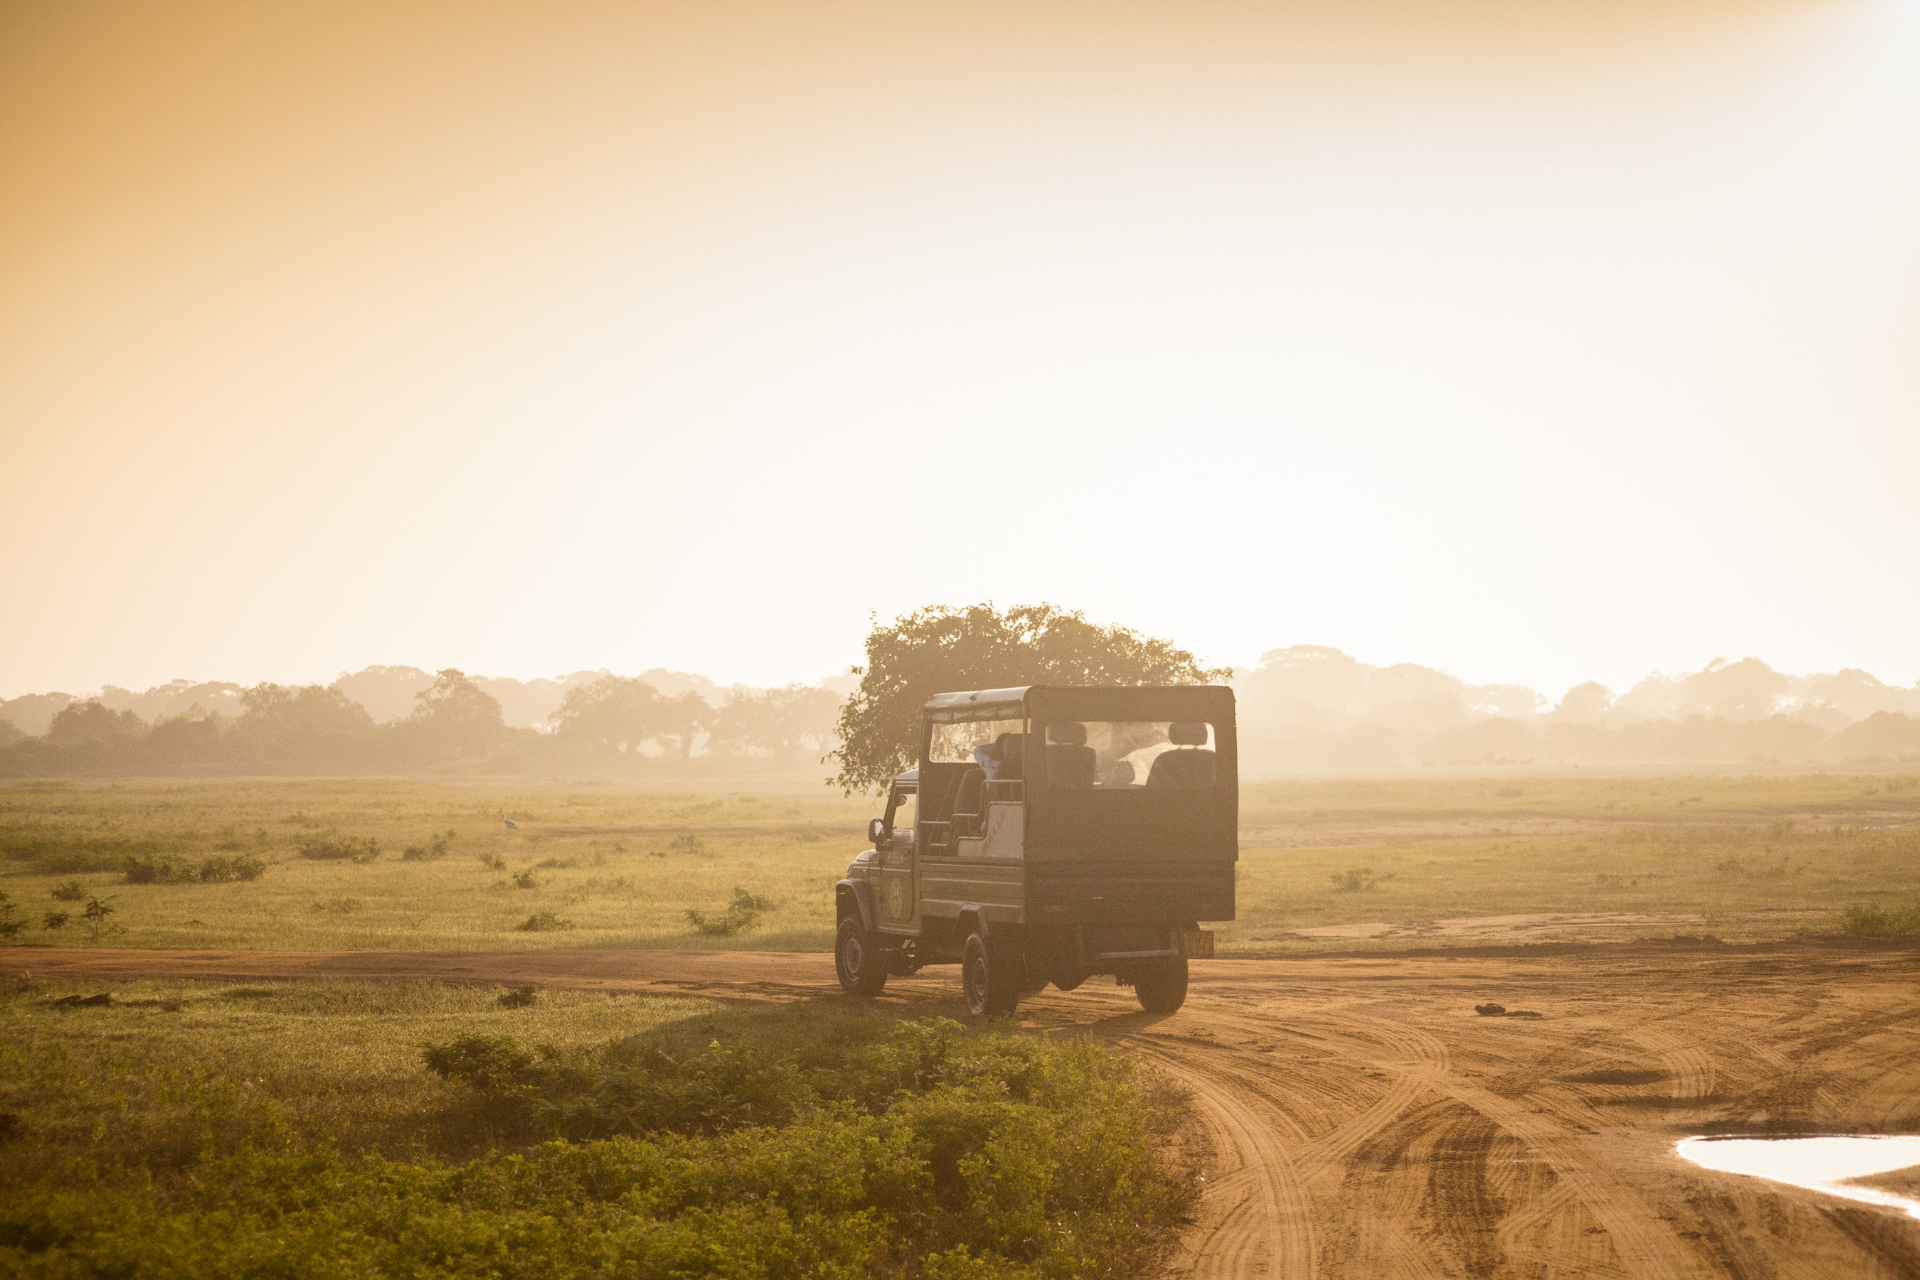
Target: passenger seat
(1070,761)
(1184,769)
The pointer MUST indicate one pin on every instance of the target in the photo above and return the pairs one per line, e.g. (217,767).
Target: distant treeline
(1303,708)
(1311,707)
(1885,736)
(614,723)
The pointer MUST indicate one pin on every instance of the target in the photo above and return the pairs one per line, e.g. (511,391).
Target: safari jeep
(1051,834)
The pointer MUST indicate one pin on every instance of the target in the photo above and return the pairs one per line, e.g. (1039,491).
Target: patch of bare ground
(1359,1119)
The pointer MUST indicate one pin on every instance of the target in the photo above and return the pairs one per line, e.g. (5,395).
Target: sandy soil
(1362,1120)
(1502,928)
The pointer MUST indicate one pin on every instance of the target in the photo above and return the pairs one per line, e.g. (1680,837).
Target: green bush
(222,870)
(741,914)
(435,848)
(159,870)
(71,891)
(95,919)
(218,869)
(1880,922)
(334,847)
(775,1145)
(543,922)
(65,853)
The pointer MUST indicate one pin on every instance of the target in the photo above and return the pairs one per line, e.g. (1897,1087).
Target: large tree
(942,649)
(613,714)
(91,721)
(790,722)
(307,722)
(456,717)
(682,719)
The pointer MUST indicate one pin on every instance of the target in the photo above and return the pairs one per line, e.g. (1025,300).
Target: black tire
(992,985)
(861,968)
(1163,988)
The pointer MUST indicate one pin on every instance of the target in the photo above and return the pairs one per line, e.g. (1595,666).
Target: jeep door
(896,858)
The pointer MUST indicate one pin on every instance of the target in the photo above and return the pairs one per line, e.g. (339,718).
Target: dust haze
(491,495)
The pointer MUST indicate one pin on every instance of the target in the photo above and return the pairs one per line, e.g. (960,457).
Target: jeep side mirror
(877,831)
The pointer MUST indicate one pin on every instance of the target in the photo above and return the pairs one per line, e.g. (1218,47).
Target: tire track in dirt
(1689,1068)
(1258,1223)
(1646,1249)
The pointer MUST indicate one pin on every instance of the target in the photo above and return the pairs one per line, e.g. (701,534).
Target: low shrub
(1880,922)
(55,920)
(776,1146)
(222,870)
(914,1141)
(435,848)
(519,997)
(1353,881)
(334,847)
(524,879)
(218,869)
(9,927)
(65,853)
(159,870)
(687,842)
(542,922)
(741,914)
(71,891)
(95,920)
(335,906)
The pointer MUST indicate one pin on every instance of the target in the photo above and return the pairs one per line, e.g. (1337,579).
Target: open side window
(902,808)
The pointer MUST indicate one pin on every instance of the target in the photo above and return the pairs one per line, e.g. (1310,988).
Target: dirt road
(1365,1121)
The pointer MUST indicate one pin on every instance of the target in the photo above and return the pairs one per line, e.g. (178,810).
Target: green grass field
(618,865)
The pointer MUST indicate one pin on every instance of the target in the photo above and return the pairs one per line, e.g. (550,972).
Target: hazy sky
(1537,341)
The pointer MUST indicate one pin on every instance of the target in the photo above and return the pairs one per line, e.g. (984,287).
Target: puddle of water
(1820,1164)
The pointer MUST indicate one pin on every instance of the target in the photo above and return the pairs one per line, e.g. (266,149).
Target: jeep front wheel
(859,964)
(990,982)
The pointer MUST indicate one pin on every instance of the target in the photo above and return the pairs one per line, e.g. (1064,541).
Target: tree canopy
(456,716)
(617,713)
(941,649)
(787,723)
(613,714)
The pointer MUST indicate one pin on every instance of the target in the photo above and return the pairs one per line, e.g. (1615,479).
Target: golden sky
(1537,341)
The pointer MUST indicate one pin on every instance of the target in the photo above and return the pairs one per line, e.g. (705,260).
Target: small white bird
(510,822)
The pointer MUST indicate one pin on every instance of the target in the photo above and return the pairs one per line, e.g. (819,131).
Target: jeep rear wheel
(858,963)
(990,982)
(1163,988)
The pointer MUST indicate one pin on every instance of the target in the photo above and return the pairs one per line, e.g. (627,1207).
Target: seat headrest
(1187,733)
(1067,735)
